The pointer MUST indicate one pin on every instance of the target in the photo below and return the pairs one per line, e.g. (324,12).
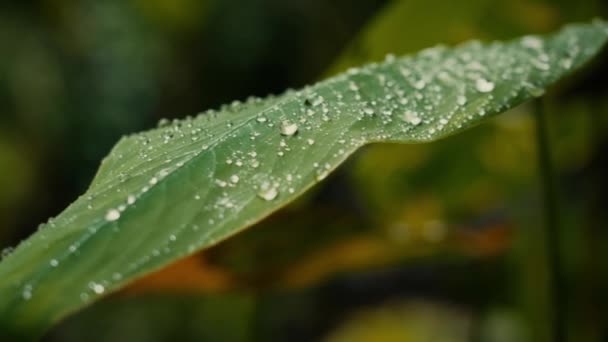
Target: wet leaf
(164,194)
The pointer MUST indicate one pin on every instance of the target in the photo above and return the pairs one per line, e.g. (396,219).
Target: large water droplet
(483,85)
(412,118)
(288,128)
(268,192)
(112,215)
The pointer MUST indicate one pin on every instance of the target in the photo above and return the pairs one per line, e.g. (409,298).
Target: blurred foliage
(403,323)
(455,220)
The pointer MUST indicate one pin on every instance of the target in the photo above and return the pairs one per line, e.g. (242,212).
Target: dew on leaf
(288,128)
(412,118)
(268,191)
(97,288)
(461,100)
(532,42)
(112,215)
(484,86)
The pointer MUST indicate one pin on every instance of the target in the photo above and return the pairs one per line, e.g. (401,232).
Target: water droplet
(163,122)
(234,179)
(536,92)
(97,288)
(6,252)
(268,192)
(321,175)
(27,292)
(288,128)
(532,42)
(412,118)
(319,100)
(54,263)
(483,85)
(461,100)
(310,142)
(131,199)
(420,85)
(112,215)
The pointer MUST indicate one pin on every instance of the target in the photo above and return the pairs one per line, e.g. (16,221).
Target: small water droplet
(234,179)
(532,42)
(131,199)
(268,192)
(536,92)
(321,175)
(54,263)
(288,128)
(483,85)
(412,118)
(420,85)
(112,215)
(97,288)
(163,122)
(6,252)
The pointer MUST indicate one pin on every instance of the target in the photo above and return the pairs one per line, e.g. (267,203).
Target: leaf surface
(169,192)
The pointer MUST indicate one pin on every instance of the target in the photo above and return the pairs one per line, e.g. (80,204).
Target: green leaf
(167,193)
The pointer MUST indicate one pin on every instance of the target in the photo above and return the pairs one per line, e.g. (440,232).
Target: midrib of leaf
(166,212)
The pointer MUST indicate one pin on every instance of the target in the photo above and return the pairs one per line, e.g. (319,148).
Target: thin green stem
(551,225)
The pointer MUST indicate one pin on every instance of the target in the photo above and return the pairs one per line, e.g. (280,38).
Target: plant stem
(551,225)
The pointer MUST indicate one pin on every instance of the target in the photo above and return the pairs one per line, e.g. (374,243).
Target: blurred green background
(435,242)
